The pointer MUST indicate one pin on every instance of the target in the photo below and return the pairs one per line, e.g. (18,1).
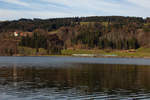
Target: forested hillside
(105,32)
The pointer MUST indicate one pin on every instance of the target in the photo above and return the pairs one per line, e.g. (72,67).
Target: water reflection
(77,81)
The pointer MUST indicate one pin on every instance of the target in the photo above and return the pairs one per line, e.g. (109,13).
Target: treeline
(97,35)
(51,43)
(55,23)
(31,25)
(101,32)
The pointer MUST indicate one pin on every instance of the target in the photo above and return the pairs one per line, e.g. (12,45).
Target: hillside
(99,32)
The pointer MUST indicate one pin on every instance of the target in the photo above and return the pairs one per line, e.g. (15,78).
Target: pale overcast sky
(16,9)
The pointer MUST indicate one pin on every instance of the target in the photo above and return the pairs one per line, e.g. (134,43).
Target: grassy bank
(26,51)
(141,52)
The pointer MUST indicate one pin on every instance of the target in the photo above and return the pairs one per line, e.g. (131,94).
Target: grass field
(141,52)
(25,51)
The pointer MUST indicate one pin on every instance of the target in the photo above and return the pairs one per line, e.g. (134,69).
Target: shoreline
(94,53)
(78,56)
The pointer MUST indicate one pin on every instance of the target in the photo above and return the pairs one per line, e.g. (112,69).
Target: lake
(74,78)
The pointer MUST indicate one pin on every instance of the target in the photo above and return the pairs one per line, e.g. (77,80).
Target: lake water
(74,78)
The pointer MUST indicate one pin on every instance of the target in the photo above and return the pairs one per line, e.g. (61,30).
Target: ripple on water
(69,78)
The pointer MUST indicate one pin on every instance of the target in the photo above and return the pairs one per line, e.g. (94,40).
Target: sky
(16,9)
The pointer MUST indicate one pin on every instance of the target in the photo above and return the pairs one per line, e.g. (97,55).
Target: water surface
(74,78)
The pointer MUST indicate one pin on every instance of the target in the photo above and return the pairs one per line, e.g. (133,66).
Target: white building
(16,34)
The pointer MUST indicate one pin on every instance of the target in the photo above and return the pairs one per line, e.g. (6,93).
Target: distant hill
(101,32)
(55,23)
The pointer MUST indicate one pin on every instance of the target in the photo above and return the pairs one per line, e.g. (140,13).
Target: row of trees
(55,23)
(119,44)
(51,43)
(112,32)
(97,35)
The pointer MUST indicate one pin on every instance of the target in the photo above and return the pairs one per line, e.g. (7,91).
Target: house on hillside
(22,34)
(16,34)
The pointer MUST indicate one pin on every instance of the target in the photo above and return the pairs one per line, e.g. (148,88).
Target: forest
(96,32)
